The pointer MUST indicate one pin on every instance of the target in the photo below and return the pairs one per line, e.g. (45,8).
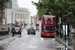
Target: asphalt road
(32,42)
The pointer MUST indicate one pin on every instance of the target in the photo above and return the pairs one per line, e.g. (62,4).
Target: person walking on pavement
(24,25)
(57,32)
(8,27)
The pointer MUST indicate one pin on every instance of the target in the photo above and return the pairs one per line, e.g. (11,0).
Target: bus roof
(48,16)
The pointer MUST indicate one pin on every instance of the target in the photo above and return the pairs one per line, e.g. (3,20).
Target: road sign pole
(65,23)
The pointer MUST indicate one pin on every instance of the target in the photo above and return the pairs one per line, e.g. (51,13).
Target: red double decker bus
(48,25)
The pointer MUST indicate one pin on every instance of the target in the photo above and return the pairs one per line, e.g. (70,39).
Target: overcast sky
(29,5)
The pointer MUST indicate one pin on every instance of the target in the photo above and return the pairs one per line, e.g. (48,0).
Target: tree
(57,8)
(2,3)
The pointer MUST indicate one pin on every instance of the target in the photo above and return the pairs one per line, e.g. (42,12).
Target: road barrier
(4,32)
(57,39)
(59,47)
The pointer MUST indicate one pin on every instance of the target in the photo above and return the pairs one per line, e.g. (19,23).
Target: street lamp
(31,19)
(6,12)
(15,17)
(5,21)
(65,24)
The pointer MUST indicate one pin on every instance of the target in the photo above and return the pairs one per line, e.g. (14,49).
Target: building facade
(12,4)
(11,7)
(1,14)
(11,16)
(14,13)
(34,20)
(23,15)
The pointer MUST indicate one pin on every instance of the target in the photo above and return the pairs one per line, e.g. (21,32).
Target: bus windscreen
(51,23)
(48,29)
(48,19)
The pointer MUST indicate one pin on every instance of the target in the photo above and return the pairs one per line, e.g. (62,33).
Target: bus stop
(66,30)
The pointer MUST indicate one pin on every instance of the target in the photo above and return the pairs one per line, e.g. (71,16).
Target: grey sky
(29,5)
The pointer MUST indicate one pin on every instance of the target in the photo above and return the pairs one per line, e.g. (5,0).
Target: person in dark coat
(57,32)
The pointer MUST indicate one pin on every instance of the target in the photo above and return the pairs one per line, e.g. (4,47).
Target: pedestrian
(24,25)
(57,32)
(8,27)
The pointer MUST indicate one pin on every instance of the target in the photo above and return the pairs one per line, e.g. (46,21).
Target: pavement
(70,43)
(32,42)
(5,40)
(8,35)
(29,42)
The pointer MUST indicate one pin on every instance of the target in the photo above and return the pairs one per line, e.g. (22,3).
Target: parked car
(3,31)
(16,30)
(31,31)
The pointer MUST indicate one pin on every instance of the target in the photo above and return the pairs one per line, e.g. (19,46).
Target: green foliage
(57,8)
(2,24)
(2,3)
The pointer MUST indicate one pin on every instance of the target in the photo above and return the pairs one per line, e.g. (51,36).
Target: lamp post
(12,17)
(15,17)
(65,23)
(31,20)
(5,20)
(6,12)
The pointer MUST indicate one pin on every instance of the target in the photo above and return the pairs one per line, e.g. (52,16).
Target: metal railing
(69,48)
